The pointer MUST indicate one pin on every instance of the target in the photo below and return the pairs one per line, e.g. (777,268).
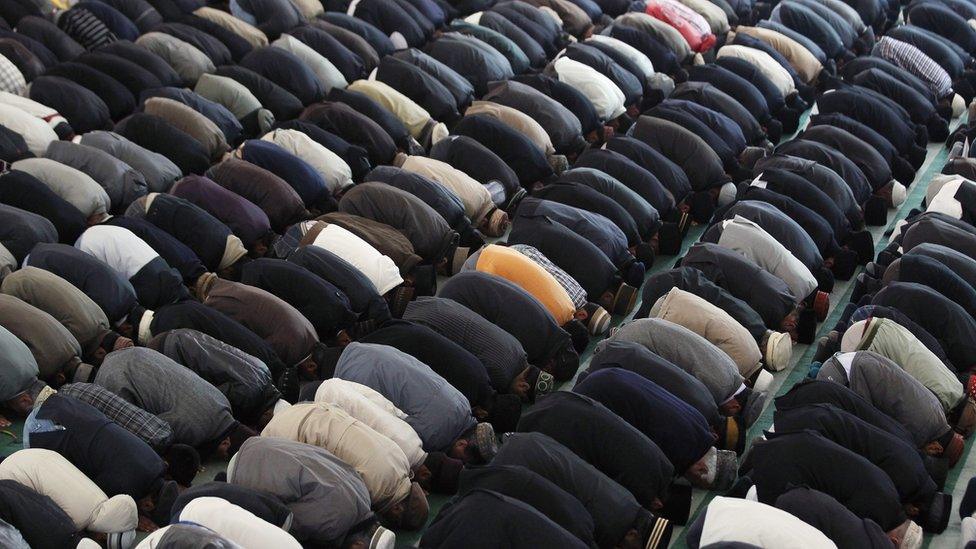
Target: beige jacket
(48,473)
(378,460)
(413,116)
(192,122)
(714,324)
(373,409)
(245,30)
(475,197)
(517,120)
(799,57)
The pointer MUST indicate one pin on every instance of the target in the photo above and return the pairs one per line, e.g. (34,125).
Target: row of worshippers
(892,398)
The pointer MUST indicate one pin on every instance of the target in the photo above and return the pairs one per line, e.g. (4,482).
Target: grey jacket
(122,183)
(891,390)
(198,413)
(687,350)
(325,495)
(159,172)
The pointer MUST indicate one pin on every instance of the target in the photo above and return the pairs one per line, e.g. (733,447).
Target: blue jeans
(35,425)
